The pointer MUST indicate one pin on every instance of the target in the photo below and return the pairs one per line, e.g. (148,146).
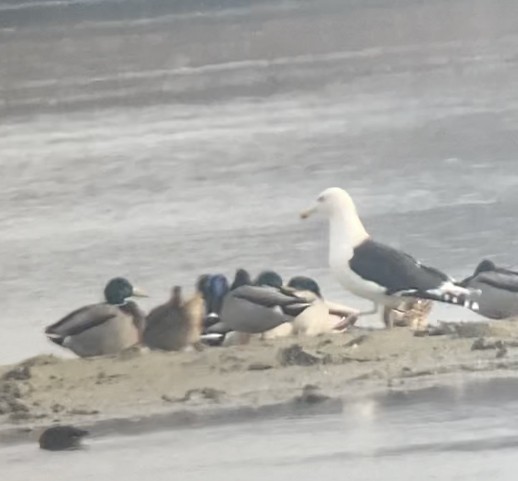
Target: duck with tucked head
(177,325)
(104,328)
(498,288)
(273,280)
(311,316)
(253,309)
(314,315)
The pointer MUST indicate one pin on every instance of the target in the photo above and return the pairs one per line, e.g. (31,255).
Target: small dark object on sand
(294,355)
(483,344)
(311,395)
(357,341)
(501,349)
(259,366)
(61,438)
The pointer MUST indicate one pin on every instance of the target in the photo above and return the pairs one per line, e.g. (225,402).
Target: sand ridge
(139,383)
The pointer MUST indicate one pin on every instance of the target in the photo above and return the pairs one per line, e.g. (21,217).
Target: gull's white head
(332,201)
(337,205)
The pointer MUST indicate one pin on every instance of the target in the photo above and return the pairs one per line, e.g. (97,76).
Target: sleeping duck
(498,290)
(256,308)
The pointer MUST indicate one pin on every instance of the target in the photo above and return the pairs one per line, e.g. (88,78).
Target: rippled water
(162,141)
(463,433)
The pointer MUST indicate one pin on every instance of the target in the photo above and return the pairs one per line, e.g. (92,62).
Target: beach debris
(471,329)
(357,341)
(10,399)
(61,438)
(483,344)
(131,352)
(169,399)
(374,374)
(9,389)
(196,395)
(103,378)
(411,313)
(18,406)
(443,329)
(311,395)
(259,366)
(463,330)
(18,373)
(295,355)
(205,393)
(501,350)
(83,412)
(13,405)
(57,408)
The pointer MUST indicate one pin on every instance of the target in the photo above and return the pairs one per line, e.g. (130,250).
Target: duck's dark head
(302,283)
(485,266)
(202,283)
(241,278)
(119,289)
(216,290)
(269,278)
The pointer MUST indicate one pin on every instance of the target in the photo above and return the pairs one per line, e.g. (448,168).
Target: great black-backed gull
(498,290)
(376,271)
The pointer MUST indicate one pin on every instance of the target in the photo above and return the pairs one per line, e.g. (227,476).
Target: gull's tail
(450,293)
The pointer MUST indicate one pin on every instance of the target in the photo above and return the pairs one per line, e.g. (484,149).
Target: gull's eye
(320,198)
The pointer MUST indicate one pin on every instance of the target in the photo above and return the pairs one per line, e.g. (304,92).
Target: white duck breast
(314,319)
(312,316)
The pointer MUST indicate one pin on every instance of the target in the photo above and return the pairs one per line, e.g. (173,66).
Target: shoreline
(141,391)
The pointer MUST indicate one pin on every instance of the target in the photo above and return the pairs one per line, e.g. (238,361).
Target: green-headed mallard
(104,328)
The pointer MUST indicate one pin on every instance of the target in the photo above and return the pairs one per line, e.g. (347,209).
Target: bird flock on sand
(223,313)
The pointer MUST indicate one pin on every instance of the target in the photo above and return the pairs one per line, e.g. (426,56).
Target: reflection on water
(464,432)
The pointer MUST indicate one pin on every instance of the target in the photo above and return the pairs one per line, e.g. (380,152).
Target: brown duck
(177,325)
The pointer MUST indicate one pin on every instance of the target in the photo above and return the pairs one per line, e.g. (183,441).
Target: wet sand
(142,390)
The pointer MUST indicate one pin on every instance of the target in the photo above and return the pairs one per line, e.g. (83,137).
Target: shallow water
(466,432)
(162,141)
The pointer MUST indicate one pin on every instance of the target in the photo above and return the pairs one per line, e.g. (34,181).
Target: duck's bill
(306,213)
(138,293)
(287,290)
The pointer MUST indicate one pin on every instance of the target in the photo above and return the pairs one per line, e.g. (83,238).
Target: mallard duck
(105,328)
(176,325)
(61,438)
(498,290)
(252,308)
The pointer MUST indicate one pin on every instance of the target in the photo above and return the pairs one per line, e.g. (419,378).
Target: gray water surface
(466,432)
(162,141)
